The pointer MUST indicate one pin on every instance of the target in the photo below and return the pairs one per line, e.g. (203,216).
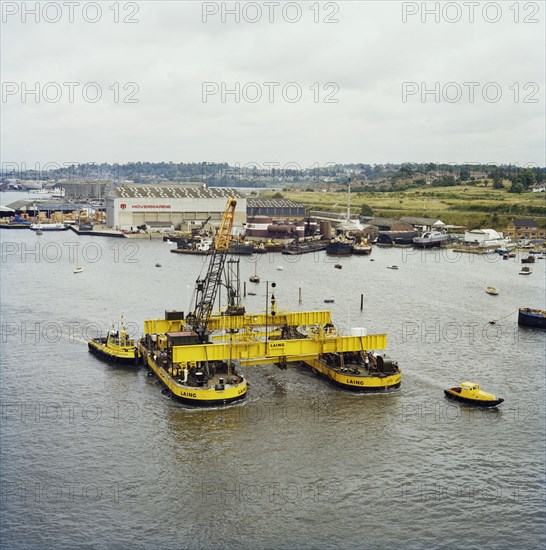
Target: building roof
(172,191)
(421,221)
(491,233)
(272,203)
(32,205)
(518,222)
(387,222)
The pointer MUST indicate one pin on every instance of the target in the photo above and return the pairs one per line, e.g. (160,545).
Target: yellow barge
(358,376)
(197,357)
(206,373)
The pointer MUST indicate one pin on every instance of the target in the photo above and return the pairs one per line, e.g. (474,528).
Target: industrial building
(171,205)
(84,189)
(275,208)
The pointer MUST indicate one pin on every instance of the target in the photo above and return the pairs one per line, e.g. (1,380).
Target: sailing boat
(78,268)
(254,278)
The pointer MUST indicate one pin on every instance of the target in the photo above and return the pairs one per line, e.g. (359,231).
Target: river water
(95,456)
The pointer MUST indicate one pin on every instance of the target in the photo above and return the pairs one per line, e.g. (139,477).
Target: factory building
(84,189)
(171,205)
(275,208)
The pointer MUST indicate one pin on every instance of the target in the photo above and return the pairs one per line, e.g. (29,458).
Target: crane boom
(207,288)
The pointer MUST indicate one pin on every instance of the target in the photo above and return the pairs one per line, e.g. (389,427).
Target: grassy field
(469,205)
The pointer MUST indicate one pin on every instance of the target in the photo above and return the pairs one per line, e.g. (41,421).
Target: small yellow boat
(471,394)
(491,290)
(116,347)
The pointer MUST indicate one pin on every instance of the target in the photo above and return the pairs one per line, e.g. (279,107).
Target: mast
(349,201)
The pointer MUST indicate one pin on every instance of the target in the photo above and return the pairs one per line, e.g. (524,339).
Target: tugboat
(362,248)
(471,394)
(116,346)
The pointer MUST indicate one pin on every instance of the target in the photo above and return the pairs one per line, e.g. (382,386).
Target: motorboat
(471,394)
(49,226)
(430,239)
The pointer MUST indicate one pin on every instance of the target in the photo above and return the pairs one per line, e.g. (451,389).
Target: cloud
(163,60)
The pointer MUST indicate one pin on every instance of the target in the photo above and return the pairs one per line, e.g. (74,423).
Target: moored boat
(49,227)
(340,246)
(15,225)
(532,317)
(525,271)
(362,248)
(471,394)
(491,290)
(430,239)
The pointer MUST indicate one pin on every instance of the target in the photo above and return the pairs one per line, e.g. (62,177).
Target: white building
(130,206)
(485,238)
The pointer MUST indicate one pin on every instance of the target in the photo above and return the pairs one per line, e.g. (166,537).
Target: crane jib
(207,289)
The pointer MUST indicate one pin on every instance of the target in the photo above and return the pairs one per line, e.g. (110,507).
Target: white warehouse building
(170,206)
(485,238)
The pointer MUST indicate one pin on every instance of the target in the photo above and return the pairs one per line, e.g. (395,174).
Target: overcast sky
(351,75)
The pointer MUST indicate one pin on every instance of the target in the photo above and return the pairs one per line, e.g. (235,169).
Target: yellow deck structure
(241,340)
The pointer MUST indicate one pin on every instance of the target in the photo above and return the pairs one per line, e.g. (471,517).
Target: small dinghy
(491,290)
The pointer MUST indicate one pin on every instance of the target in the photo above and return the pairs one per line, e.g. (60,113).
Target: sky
(272,83)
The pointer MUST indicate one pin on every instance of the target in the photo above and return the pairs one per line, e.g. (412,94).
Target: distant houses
(525,229)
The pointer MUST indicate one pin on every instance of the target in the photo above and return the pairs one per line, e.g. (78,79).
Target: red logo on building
(123,206)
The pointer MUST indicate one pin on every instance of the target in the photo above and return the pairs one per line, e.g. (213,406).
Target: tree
(528,178)
(366,210)
(517,187)
(497,183)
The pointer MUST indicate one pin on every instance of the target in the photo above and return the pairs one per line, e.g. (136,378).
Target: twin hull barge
(207,373)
